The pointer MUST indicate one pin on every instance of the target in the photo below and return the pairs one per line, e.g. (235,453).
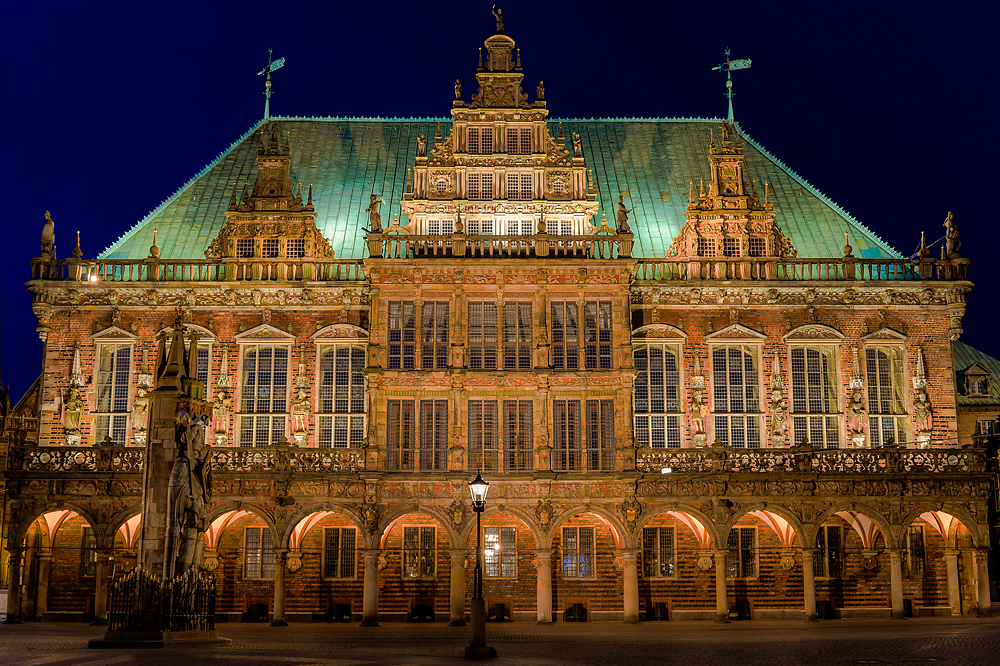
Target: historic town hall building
(697,387)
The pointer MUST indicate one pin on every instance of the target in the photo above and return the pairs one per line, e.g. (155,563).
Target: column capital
(807,551)
(630,554)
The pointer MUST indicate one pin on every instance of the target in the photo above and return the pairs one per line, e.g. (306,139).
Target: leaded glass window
(340,412)
(736,394)
(815,410)
(264,395)
(656,396)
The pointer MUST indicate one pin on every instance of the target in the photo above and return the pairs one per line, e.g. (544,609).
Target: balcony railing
(800,270)
(199,270)
(455,246)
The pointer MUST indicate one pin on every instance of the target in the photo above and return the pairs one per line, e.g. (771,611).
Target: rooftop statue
(499,18)
(540,92)
(621,219)
(374,217)
(458,89)
(951,238)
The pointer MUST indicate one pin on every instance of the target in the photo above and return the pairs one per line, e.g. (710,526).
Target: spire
(174,370)
(272,65)
(232,199)
(76,370)
(77,252)
(920,376)
(310,201)
(728,67)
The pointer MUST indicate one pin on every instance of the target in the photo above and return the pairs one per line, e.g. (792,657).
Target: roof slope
(965,357)
(348,159)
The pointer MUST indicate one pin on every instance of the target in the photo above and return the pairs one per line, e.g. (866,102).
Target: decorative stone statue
(951,238)
(189,493)
(577,145)
(220,412)
(458,96)
(923,419)
(300,413)
(779,418)
(374,217)
(140,415)
(697,414)
(421,146)
(855,414)
(540,92)
(73,412)
(497,15)
(621,218)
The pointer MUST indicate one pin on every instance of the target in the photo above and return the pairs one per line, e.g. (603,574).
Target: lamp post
(477,643)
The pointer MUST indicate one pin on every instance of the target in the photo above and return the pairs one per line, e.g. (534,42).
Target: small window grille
(480,186)
(519,186)
(558,187)
(440,227)
(481,140)
(441,186)
(706,247)
(269,248)
(758,247)
(518,140)
(731,247)
(244,247)
(295,248)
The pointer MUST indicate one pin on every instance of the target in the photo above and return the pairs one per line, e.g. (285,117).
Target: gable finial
(729,67)
(310,201)
(77,252)
(232,199)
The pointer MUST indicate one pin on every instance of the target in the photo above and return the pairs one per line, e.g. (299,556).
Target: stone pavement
(948,641)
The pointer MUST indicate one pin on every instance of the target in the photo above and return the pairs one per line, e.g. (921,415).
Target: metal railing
(140,601)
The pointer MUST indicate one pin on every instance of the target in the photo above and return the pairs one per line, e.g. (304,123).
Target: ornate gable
(736,332)
(264,333)
(884,335)
(113,334)
(658,332)
(814,333)
(729,221)
(339,333)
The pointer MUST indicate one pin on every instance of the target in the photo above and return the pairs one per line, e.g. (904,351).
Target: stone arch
(618,531)
(380,535)
(956,512)
(469,526)
(302,514)
(681,512)
(218,511)
(20,530)
(122,518)
(767,508)
(888,534)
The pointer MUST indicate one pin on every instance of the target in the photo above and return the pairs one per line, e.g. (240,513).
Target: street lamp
(477,643)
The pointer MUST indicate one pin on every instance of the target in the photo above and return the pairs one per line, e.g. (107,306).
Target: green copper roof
(965,357)
(347,159)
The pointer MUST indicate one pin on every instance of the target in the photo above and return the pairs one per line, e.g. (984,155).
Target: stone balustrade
(254,269)
(800,270)
(454,246)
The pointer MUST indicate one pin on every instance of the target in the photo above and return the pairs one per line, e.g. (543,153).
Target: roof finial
(271,66)
(480,58)
(77,252)
(288,142)
(310,201)
(154,250)
(232,199)
(728,67)
(847,246)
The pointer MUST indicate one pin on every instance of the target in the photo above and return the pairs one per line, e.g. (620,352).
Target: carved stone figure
(374,217)
(189,493)
(779,417)
(497,15)
(923,419)
(421,146)
(621,217)
(140,413)
(300,411)
(540,92)
(697,413)
(577,145)
(458,95)
(220,412)
(951,238)
(855,414)
(74,410)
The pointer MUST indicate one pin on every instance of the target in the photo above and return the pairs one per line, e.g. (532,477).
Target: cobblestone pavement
(946,641)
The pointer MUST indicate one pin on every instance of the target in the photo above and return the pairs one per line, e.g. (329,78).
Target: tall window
(565,335)
(656,394)
(484,434)
(481,140)
(578,552)
(518,441)
(828,558)
(401,434)
(597,335)
(440,227)
(341,409)
(736,392)
(591,447)
(517,343)
(814,396)
(419,552)
(339,554)
(658,552)
(886,420)
(402,335)
(741,560)
(258,553)
(434,435)
(518,141)
(483,336)
(916,556)
(479,227)
(88,553)
(113,371)
(519,186)
(480,185)
(434,336)
(500,552)
(264,395)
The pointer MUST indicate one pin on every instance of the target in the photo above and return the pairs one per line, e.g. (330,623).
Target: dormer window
(295,248)
(244,247)
(758,247)
(730,247)
(518,141)
(706,247)
(481,140)
(269,248)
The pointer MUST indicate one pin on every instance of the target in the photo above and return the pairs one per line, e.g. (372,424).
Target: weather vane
(729,67)
(271,66)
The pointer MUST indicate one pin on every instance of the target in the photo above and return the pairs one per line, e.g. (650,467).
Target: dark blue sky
(110,106)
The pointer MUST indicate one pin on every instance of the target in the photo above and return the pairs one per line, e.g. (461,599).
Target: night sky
(108,108)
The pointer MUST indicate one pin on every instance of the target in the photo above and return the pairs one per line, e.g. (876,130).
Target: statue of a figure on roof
(421,146)
(621,218)
(458,89)
(499,18)
(374,217)
(951,238)
(577,145)
(540,92)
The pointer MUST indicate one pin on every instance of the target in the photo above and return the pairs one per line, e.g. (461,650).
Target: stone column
(630,582)
(369,605)
(982,582)
(280,557)
(101,586)
(14,587)
(457,614)
(954,590)
(44,565)
(809,584)
(896,582)
(721,595)
(543,596)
